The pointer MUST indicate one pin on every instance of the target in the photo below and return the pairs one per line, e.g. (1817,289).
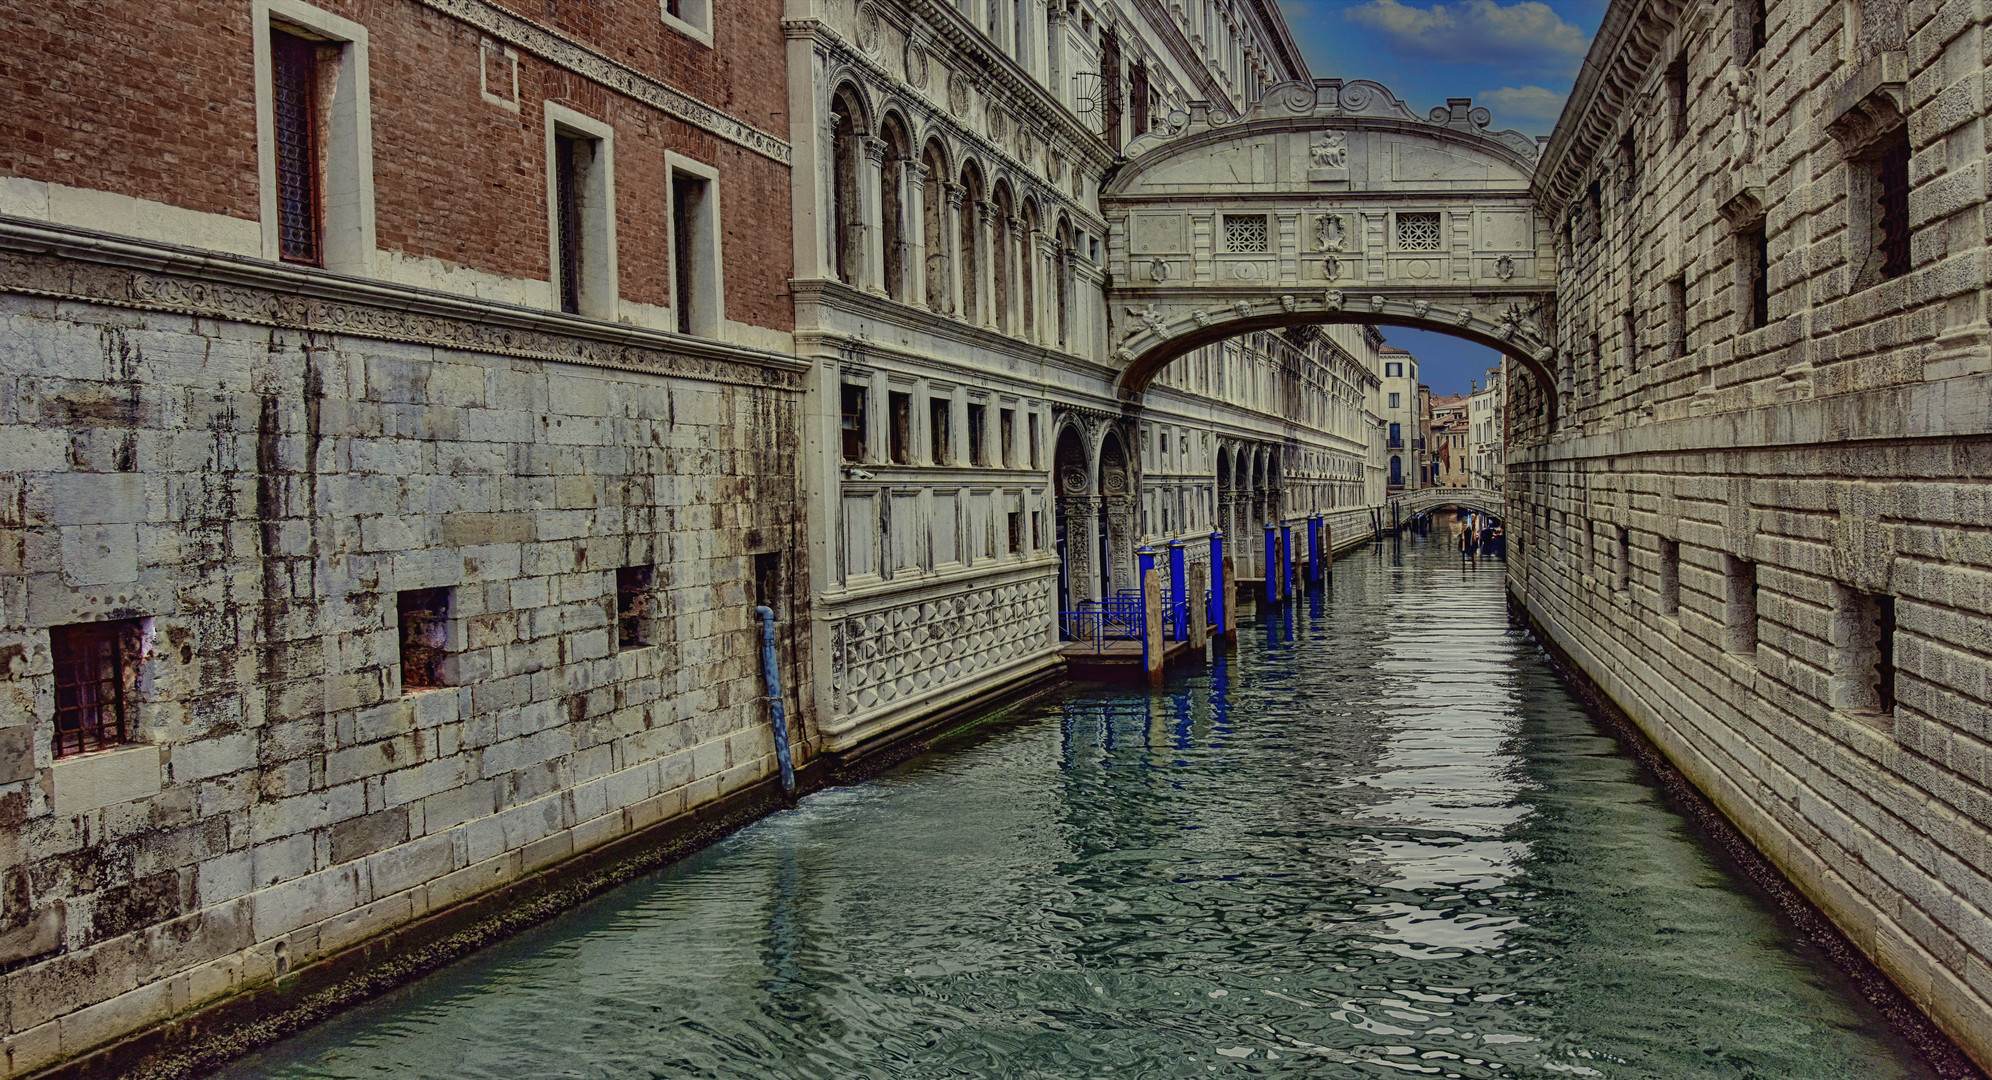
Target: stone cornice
(1023,96)
(1157,14)
(563,51)
(39,259)
(1621,57)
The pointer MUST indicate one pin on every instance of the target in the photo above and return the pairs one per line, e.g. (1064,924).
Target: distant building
(1400,418)
(1485,431)
(1449,442)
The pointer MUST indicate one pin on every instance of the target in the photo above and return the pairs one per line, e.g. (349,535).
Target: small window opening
(96,666)
(854,422)
(1863,651)
(768,580)
(1037,531)
(1629,338)
(902,427)
(1741,617)
(939,411)
(1670,577)
(978,453)
(1677,317)
(1006,429)
(1034,440)
(300,190)
(571,156)
(1677,98)
(1016,524)
(633,606)
(1622,561)
(425,615)
(1760,25)
(1892,191)
(1753,251)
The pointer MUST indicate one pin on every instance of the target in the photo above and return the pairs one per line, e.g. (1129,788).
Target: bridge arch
(1328,202)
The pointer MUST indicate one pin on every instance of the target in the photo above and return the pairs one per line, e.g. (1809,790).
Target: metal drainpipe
(773,672)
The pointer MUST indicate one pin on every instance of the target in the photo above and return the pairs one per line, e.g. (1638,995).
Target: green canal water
(1378,840)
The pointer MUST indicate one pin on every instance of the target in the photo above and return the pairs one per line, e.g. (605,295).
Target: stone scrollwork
(1504,267)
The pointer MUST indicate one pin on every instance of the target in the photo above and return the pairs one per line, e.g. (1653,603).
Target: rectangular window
(1629,340)
(1753,274)
(425,620)
(1670,577)
(1006,429)
(1863,640)
(1016,524)
(1393,371)
(768,580)
(1394,399)
(689,246)
(1758,30)
(581,212)
(1677,317)
(633,606)
(294,110)
(1677,98)
(96,665)
(854,421)
(1740,616)
(978,452)
(1622,561)
(902,427)
(569,156)
(1418,232)
(1891,192)
(1245,232)
(693,18)
(940,411)
(1034,440)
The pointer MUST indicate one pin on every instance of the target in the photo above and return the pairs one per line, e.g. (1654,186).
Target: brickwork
(1726,522)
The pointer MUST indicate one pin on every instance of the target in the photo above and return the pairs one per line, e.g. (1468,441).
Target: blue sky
(1516,57)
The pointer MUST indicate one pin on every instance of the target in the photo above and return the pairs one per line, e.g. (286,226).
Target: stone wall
(254,477)
(1758,520)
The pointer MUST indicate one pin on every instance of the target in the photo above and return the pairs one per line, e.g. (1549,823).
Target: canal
(1379,839)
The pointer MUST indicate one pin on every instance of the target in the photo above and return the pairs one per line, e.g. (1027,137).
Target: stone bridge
(1329,202)
(1480,499)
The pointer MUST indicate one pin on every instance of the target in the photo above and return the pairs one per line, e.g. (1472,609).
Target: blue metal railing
(1096,622)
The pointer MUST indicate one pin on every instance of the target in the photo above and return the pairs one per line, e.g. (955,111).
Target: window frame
(708,318)
(599,290)
(346,234)
(692,19)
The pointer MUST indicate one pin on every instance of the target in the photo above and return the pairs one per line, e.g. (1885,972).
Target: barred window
(633,605)
(294,91)
(1418,232)
(425,615)
(1245,232)
(567,214)
(94,662)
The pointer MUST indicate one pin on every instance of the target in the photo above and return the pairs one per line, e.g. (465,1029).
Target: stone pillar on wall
(957,196)
(985,281)
(915,202)
(871,196)
(1082,539)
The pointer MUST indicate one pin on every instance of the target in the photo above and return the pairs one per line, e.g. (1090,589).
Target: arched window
(847,227)
(971,252)
(934,227)
(892,207)
(1002,307)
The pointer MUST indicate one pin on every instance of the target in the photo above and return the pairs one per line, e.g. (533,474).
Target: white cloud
(1524,103)
(1528,35)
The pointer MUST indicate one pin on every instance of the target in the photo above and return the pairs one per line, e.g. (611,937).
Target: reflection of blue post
(1286,559)
(1179,588)
(1220,603)
(1145,556)
(1314,569)
(1272,565)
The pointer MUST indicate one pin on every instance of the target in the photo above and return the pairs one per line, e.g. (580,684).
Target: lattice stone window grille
(1418,232)
(1245,232)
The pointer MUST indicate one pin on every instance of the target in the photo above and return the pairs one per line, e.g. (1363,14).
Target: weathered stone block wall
(1712,525)
(258,487)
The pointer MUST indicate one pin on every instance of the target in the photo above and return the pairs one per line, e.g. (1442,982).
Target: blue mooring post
(1272,567)
(773,671)
(1145,558)
(1219,601)
(1314,548)
(1179,588)
(1286,559)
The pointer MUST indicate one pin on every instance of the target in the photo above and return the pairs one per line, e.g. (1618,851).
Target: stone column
(985,282)
(871,197)
(915,173)
(1199,614)
(957,195)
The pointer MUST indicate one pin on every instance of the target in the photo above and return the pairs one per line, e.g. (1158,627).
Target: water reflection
(1377,840)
